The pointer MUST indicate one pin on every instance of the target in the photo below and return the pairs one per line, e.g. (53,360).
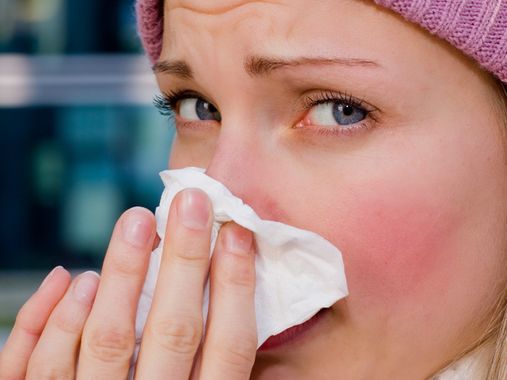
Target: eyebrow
(256,66)
(262,66)
(178,68)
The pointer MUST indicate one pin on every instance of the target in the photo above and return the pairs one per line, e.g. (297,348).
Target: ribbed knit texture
(476,27)
(150,26)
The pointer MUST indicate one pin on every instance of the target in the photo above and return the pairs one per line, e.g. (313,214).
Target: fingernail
(137,227)
(49,276)
(238,240)
(194,209)
(86,287)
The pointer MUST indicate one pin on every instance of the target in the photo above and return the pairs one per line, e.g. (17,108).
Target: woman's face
(341,118)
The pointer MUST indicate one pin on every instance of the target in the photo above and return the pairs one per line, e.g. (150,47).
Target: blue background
(80,140)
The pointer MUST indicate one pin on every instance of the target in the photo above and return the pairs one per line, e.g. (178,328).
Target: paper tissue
(297,272)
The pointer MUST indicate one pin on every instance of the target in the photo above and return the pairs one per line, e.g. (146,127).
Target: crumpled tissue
(297,272)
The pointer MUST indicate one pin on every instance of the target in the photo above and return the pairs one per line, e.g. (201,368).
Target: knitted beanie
(476,27)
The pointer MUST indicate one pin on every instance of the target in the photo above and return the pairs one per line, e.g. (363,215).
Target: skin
(415,201)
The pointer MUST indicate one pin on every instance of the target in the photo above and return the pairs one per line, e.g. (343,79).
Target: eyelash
(328,96)
(167,102)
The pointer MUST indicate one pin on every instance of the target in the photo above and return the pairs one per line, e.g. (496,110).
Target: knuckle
(180,335)
(25,322)
(109,345)
(65,323)
(126,264)
(192,256)
(241,277)
(43,372)
(238,355)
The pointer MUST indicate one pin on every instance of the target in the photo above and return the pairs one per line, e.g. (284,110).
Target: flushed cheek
(396,244)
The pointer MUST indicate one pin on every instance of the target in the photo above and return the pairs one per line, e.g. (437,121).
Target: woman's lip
(292,334)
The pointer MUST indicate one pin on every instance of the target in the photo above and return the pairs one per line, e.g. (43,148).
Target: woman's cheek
(185,153)
(396,244)
(396,238)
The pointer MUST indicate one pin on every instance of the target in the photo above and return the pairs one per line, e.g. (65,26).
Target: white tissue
(297,272)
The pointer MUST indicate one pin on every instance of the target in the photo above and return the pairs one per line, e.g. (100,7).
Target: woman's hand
(85,329)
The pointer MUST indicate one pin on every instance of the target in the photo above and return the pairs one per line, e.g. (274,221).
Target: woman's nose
(236,161)
(244,164)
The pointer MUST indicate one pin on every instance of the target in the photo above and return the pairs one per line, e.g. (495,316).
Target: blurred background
(79,138)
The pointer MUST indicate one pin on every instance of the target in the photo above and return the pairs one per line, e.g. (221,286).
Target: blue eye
(187,105)
(336,112)
(195,109)
(346,114)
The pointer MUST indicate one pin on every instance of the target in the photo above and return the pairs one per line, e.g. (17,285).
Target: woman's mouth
(292,334)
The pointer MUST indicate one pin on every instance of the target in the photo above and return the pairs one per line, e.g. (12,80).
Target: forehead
(281,24)
(217,34)
(225,19)
(222,6)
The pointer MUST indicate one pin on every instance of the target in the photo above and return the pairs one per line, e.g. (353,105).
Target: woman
(340,117)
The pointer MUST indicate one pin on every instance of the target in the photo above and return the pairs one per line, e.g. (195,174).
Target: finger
(108,339)
(30,323)
(231,335)
(56,352)
(174,327)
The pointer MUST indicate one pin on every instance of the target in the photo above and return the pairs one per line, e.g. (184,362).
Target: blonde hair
(497,369)
(494,337)
(496,332)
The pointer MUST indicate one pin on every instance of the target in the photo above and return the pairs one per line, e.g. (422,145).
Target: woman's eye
(195,109)
(336,112)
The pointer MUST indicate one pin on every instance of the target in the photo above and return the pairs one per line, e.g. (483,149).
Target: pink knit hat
(476,27)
